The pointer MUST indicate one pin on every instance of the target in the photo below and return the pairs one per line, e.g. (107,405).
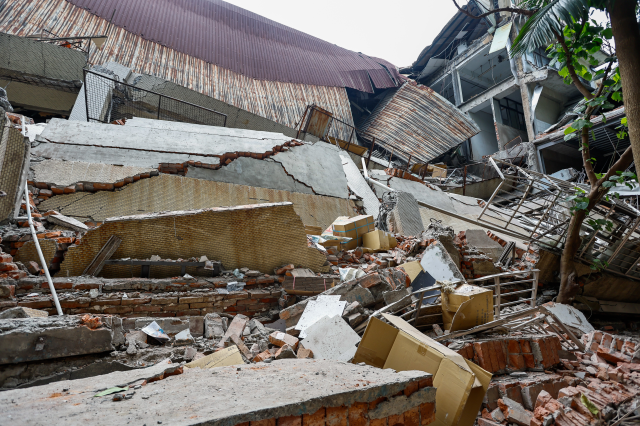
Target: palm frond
(538,30)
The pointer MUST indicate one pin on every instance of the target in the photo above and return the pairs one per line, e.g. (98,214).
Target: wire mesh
(110,101)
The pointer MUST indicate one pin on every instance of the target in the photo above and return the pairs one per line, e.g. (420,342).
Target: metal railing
(108,100)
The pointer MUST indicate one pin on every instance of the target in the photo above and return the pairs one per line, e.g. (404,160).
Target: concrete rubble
(376,257)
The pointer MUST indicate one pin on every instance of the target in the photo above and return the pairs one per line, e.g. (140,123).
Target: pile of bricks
(502,355)
(141,297)
(616,349)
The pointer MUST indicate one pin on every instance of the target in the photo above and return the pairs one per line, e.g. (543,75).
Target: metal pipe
(375,182)
(35,240)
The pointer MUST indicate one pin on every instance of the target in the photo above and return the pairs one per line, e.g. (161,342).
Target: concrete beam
(498,91)
(284,390)
(34,339)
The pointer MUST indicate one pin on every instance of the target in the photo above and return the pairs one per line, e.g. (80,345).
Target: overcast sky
(390,30)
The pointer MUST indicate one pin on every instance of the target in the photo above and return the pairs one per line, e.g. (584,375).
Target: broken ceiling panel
(419,122)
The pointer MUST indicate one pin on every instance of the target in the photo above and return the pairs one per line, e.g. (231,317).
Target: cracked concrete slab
(224,396)
(65,173)
(318,166)
(252,172)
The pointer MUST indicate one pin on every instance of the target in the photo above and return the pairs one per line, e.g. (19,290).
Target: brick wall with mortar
(141,297)
(611,347)
(362,413)
(261,237)
(508,354)
(13,153)
(170,192)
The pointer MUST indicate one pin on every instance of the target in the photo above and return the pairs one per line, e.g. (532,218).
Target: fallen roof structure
(418,121)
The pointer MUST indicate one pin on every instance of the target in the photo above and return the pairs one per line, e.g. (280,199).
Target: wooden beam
(104,254)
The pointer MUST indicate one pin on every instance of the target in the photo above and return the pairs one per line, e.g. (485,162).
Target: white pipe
(373,181)
(35,240)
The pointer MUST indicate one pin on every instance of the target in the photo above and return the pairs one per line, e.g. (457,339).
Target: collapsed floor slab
(262,237)
(283,391)
(170,192)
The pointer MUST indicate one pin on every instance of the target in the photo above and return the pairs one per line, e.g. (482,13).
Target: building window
(512,114)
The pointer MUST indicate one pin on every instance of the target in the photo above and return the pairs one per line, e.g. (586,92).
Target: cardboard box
(378,241)
(413,269)
(353,228)
(467,307)
(222,358)
(461,384)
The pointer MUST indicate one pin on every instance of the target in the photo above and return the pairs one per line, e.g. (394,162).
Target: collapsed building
(189,219)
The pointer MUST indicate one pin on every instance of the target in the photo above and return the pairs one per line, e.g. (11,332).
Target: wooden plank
(307,286)
(104,254)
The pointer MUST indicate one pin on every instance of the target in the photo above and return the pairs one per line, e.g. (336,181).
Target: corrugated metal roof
(226,35)
(418,121)
(281,102)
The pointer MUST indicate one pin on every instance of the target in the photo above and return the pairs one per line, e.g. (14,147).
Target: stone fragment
(285,352)
(304,353)
(22,312)
(214,326)
(184,338)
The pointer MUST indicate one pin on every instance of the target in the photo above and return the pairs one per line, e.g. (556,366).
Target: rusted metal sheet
(319,121)
(272,98)
(419,122)
(236,39)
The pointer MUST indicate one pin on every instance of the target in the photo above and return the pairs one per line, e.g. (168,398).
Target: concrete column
(497,119)
(526,94)
(457,87)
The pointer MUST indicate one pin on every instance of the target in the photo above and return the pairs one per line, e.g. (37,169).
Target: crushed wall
(14,155)
(170,192)
(261,237)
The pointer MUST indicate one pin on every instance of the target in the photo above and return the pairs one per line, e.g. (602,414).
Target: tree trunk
(568,280)
(626,35)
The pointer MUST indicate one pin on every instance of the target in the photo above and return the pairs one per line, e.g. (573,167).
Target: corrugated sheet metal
(282,102)
(236,39)
(418,121)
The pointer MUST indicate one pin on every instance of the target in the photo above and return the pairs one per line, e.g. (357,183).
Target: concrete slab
(437,266)
(33,339)
(223,396)
(331,338)
(65,173)
(480,240)
(67,222)
(359,186)
(253,172)
(316,309)
(571,317)
(318,166)
(406,215)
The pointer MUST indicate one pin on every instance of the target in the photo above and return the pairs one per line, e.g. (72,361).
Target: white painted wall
(485,142)
(546,114)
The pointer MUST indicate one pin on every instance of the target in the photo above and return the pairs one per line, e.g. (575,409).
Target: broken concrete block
(285,352)
(352,308)
(214,326)
(235,328)
(67,222)
(280,339)
(395,295)
(184,338)
(332,338)
(189,353)
(33,339)
(514,412)
(21,312)
(316,309)
(497,415)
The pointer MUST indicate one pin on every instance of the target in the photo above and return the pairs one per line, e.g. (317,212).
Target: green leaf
(564,72)
(608,184)
(569,129)
(607,33)
(623,121)
(616,96)
(587,76)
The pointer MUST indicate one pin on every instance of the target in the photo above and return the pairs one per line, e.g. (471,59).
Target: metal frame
(119,84)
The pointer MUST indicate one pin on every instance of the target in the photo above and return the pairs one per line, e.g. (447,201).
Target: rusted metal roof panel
(236,39)
(282,102)
(418,121)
